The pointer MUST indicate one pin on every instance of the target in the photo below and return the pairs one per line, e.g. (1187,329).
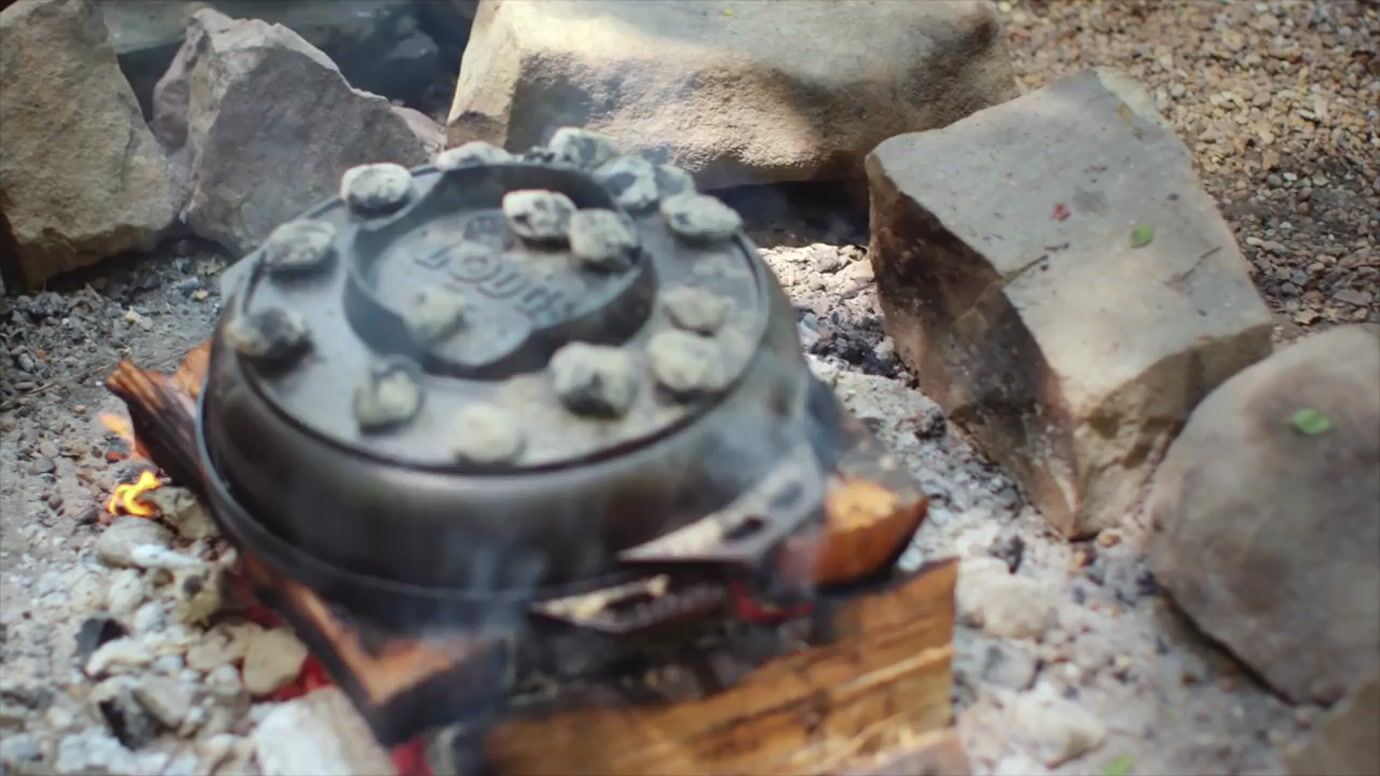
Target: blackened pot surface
(413,497)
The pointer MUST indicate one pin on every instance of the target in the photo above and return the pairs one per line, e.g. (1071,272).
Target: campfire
(671,598)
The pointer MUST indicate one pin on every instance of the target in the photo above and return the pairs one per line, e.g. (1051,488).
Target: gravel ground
(1280,102)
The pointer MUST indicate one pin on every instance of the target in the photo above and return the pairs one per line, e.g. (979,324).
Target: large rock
(1012,263)
(1267,535)
(382,46)
(263,125)
(81,177)
(1345,743)
(754,93)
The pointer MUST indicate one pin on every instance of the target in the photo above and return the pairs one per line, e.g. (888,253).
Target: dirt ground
(1278,101)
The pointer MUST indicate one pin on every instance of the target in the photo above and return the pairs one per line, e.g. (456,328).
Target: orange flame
(125,499)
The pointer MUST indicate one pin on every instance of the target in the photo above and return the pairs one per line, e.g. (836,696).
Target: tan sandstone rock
(759,92)
(262,125)
(1269,536)
(1345,742)
(81,177)
(1013,283)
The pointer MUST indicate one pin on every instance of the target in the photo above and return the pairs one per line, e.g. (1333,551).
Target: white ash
(632,180)
(597,380)
(486,434)
(318,733)
(700,218)
(116,545)
(224,684)
(298,246)
(199,593)
(538,215)
(603,240)
(695,309)
(153,556)
(582,147)
(183,510)
(475,152)
(167,700)
(1053,729)
(376,188)
(271,660)
(113,701)
(686,365)
(123,654)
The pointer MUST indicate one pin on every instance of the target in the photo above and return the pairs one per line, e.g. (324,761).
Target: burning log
(162,409)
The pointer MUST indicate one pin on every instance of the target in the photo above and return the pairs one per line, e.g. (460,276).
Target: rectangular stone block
(1063,286)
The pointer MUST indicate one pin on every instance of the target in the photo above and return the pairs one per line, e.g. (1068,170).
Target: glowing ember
(125,499)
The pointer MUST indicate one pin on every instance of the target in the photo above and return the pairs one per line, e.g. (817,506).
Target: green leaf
(1309,421)
(1142,235)
(1121,766)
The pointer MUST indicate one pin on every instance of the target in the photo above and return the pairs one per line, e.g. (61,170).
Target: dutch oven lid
(501,314)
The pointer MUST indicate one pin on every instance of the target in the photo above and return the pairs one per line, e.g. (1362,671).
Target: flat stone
(318,733)
(99,187)
(1000,603)
(272,659)
(734,98)
(260,124)
(1271,549)
(116,544)
(1012,286)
